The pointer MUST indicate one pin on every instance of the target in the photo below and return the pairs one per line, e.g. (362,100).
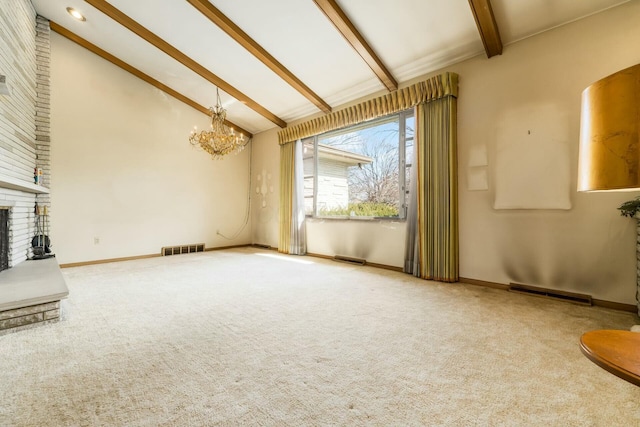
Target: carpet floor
(247,337)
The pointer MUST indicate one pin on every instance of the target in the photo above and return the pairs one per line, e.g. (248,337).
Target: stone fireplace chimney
(27,135)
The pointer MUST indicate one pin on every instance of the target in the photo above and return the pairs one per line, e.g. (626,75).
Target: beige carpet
(251,338)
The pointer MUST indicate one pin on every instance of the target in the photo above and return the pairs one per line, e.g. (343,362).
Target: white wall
(123,171)
(588,248)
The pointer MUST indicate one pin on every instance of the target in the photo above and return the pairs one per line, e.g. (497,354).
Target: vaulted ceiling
(276,61)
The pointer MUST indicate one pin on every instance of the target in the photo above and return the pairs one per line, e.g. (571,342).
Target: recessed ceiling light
(77,15)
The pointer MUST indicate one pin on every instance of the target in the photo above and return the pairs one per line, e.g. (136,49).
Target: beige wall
(122,168)
(529,95)
(588,248)
(266,162)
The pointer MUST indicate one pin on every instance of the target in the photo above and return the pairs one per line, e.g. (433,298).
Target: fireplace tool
(41,245)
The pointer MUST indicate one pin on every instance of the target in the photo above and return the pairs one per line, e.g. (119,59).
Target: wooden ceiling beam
(340,20)
(242,38)
(487,26)
(176,54)
(127,67)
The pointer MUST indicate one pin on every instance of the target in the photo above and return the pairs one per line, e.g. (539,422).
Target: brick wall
(24,117)
(42,117)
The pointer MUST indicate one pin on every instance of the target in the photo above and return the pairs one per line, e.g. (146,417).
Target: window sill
(353,218)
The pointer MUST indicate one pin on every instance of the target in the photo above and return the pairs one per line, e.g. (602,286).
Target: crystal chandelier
(220,140)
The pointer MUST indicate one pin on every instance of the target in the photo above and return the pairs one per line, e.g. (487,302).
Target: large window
(360,171)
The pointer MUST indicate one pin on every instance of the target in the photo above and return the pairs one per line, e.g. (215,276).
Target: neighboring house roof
(348,157)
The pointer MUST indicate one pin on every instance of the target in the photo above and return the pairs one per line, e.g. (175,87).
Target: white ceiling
(411,37)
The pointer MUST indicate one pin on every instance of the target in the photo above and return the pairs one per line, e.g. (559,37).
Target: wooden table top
(616,351)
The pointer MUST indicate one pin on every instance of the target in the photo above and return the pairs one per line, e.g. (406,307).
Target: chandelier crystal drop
(220,140)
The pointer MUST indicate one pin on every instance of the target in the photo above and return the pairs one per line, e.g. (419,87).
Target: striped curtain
(292,238)
(287,174)
(436,237)
(412,239)
(437,189)
(298,241)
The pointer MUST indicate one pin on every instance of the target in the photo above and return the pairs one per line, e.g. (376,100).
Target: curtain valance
(436,87)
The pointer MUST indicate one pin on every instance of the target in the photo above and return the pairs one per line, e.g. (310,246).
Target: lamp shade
(609,130)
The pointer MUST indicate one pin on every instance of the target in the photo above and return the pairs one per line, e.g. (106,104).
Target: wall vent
(182,249)
(349,260)
(551,293)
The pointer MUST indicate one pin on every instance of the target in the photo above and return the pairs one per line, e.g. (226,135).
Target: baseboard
(221,248)
(615,305)
(369,264)
(349,260)
(135,257)
(576,298)
(265,247)
(385,267)
(318,255)
(108,260)
(596,302)
(483,283)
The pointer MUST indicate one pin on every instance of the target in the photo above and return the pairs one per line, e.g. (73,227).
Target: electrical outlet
(96,240)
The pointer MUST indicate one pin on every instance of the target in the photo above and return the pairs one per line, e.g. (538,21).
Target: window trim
(402,117)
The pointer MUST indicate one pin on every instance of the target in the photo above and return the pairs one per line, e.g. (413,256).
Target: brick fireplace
(30,291)
(25,136)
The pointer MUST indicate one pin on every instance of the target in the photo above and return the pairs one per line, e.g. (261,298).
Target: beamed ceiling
(276,61)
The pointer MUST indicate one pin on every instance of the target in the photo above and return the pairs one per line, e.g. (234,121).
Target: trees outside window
(360,171)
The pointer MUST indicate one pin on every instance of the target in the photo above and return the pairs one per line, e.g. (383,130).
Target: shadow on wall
(557,251)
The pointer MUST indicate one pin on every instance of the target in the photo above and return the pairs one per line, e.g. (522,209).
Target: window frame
(403,189)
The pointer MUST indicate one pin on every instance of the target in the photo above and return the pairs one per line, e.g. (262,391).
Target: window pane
(409,152)
(410,126)
(409,156)
(409,165)
(358,170)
